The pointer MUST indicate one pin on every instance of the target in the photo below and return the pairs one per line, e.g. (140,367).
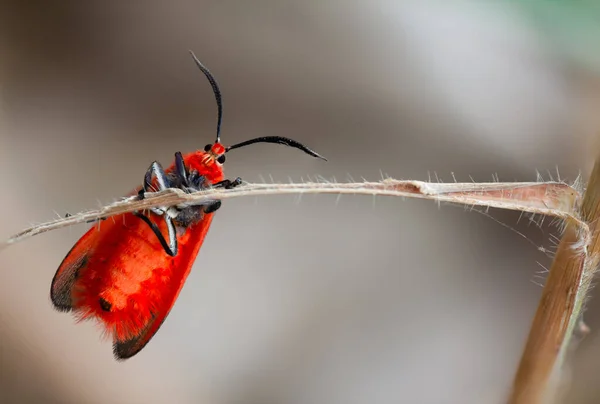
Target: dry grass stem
(546,198)
(560,309)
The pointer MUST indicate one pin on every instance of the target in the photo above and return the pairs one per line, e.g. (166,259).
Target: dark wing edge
(125,349)
(68,271)
(128,348)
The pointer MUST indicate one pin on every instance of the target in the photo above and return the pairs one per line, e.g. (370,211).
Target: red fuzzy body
(119,274)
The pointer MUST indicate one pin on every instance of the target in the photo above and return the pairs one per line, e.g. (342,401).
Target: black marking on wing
(128,348)
(62,284)
(105,305)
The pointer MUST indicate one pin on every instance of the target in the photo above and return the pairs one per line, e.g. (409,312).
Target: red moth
(128,271)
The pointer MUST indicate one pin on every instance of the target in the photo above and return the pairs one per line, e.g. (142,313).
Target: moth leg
(180,169)
(172,236)
(161,177)
(228,184)
(170,247)
(157,170)
(195,182)
(212,207)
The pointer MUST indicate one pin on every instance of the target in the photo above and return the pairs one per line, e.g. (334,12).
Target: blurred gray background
(296,300)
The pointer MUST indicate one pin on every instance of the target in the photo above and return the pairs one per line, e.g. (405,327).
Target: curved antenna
(279,140)
(216,91)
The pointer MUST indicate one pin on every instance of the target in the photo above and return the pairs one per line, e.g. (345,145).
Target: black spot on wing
(105,305)
(62,284)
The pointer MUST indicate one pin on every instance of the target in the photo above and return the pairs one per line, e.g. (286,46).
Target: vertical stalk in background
(559,310)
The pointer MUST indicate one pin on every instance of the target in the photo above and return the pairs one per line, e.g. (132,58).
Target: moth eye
(207,147)
(221,159)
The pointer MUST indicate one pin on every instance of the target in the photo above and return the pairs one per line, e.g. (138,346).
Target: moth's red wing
(68,271)
(189,244)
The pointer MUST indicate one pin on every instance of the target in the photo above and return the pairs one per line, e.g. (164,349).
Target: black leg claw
(213,207)
(235,183)
(228,184)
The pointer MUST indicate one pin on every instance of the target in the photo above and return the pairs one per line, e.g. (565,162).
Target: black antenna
(279,140)
(216,91)
(265,139)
